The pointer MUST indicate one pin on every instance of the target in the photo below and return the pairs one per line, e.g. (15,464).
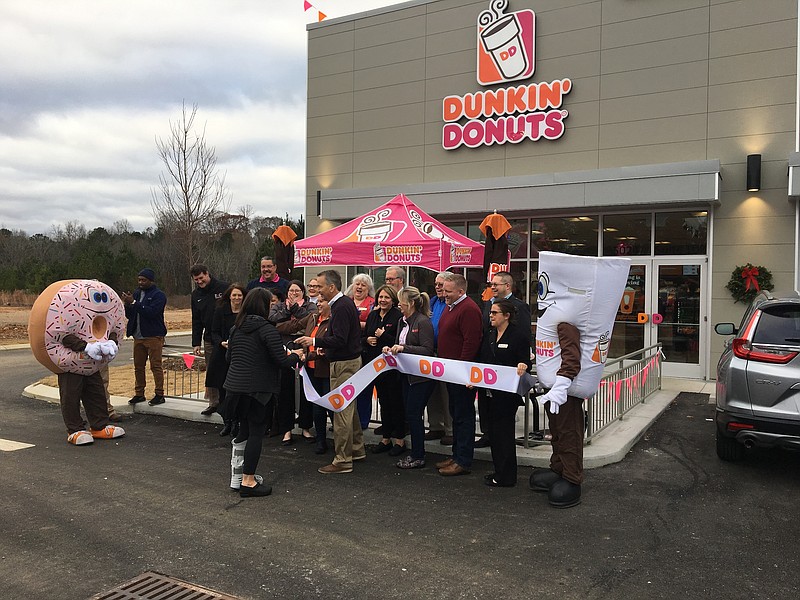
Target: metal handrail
(619,392)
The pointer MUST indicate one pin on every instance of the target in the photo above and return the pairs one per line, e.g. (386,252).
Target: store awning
(668,184)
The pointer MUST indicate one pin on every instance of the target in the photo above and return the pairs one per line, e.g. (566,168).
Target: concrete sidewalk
(609,446)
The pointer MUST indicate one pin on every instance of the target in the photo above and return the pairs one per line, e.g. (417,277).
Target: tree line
(230,244)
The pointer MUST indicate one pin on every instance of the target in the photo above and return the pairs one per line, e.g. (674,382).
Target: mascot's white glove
(100,350)
(557,394)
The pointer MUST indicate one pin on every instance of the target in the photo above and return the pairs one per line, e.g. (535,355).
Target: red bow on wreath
(749,275)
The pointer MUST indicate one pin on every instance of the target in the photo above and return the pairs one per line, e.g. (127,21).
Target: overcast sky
(87,85)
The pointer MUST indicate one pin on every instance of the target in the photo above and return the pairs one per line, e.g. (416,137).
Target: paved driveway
(670,521)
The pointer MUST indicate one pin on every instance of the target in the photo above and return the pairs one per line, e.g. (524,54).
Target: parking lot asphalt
(670,520)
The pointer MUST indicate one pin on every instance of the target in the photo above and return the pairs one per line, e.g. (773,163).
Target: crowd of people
(255,337)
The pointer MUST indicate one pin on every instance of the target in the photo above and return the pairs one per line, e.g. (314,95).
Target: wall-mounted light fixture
(319,203)
(753,172)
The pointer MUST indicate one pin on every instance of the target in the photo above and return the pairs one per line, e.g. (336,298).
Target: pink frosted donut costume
(87,308)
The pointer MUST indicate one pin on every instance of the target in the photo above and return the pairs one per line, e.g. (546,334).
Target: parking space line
(11,445)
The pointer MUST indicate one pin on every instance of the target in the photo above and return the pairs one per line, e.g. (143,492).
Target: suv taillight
(743,349)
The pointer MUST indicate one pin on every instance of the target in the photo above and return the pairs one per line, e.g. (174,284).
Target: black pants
(502,408)
(484,414)
(393,413)
(253,422)
(321,414)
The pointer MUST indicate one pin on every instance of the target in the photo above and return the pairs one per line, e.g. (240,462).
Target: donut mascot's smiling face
(86,308)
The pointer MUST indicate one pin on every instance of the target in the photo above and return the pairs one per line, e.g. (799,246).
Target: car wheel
(728,448)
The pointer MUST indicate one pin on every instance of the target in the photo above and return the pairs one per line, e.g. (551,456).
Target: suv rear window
(778,325)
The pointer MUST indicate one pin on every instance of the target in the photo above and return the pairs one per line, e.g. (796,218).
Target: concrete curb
(21,346)
(608,447)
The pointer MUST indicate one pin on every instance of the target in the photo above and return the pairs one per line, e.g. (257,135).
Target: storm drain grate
(157,586)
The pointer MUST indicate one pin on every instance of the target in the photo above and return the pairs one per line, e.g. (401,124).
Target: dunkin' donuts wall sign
(505,53)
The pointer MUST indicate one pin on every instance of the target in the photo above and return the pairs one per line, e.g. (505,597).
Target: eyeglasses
(495,312)
(390,278)
(313,285)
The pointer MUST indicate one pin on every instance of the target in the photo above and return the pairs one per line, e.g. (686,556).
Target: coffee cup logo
(626,304)
(505,44)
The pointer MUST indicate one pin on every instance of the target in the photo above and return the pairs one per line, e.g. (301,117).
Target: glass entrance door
(664,301)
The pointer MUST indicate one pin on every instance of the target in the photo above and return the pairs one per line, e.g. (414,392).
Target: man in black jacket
(204,301)
(342,345)
(502,289)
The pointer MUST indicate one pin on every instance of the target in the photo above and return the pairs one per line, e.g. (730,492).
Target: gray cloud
(87,85)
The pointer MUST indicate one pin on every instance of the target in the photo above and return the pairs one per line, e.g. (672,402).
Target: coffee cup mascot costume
(74,330)
(578,300)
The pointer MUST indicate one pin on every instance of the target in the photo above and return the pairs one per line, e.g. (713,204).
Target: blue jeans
(364,406)
(416,396)
(462,408)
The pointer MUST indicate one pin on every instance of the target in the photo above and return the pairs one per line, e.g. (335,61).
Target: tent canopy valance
(396,233)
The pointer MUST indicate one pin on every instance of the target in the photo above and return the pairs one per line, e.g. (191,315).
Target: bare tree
(191,191)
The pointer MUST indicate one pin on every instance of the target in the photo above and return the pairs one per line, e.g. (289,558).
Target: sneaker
(109,432)
(157,399)
(259,490)
(80,438)
(236,488)
(136,400)
(335,469)
(410,463)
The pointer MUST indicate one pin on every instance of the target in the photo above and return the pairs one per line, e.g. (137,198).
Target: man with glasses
(342,344)
(269,278)
(395,277)
(313,290)
(502,289)
(440,423)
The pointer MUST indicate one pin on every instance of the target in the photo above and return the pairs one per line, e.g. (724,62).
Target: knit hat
(148,272)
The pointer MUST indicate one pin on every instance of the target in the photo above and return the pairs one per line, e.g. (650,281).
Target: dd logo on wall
(505,52)
(505,44)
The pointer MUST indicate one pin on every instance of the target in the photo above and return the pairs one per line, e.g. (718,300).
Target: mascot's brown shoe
(564,494)
(543,479)
(109,432)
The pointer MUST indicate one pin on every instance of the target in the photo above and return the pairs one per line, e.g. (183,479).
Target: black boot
(543,479)
(322,447)
(226,429)
(564,494)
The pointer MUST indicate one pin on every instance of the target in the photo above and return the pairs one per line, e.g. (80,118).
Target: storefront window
(681,233)
(570,235)
(518,238)
(627,235)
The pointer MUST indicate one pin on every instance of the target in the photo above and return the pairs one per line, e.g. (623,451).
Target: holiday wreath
(746,281)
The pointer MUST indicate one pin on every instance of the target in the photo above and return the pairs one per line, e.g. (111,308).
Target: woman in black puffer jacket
(255,355)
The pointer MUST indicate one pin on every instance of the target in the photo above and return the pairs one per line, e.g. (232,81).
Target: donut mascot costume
(74,330)
(578,298)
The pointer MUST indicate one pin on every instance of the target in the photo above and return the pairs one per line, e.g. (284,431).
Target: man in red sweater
(460,331)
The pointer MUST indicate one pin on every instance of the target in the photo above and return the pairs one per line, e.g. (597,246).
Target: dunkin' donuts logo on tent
(505,44)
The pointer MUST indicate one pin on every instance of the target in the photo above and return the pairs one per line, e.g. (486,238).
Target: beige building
(597,127)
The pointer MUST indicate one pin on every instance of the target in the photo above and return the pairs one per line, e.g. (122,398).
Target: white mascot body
(584,292)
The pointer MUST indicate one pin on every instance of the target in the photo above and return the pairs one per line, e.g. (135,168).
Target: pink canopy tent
(396,233)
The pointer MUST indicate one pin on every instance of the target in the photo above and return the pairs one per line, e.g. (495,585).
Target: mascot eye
(543,287)
(97,297)
(104,297)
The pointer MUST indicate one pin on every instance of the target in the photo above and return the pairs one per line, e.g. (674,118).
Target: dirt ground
(14,323)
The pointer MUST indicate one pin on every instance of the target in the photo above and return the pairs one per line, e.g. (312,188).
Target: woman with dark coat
(290,318)
(379,331)
(505,344)
(318,367)
(255,357)
(414,336)
(228,306)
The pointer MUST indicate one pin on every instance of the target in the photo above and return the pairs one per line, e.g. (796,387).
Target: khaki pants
(348,439)
(144,349)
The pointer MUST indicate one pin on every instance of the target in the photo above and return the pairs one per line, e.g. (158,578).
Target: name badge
(502,345)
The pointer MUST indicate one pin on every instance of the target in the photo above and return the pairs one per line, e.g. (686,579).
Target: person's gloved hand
(100,350)
(557,394)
